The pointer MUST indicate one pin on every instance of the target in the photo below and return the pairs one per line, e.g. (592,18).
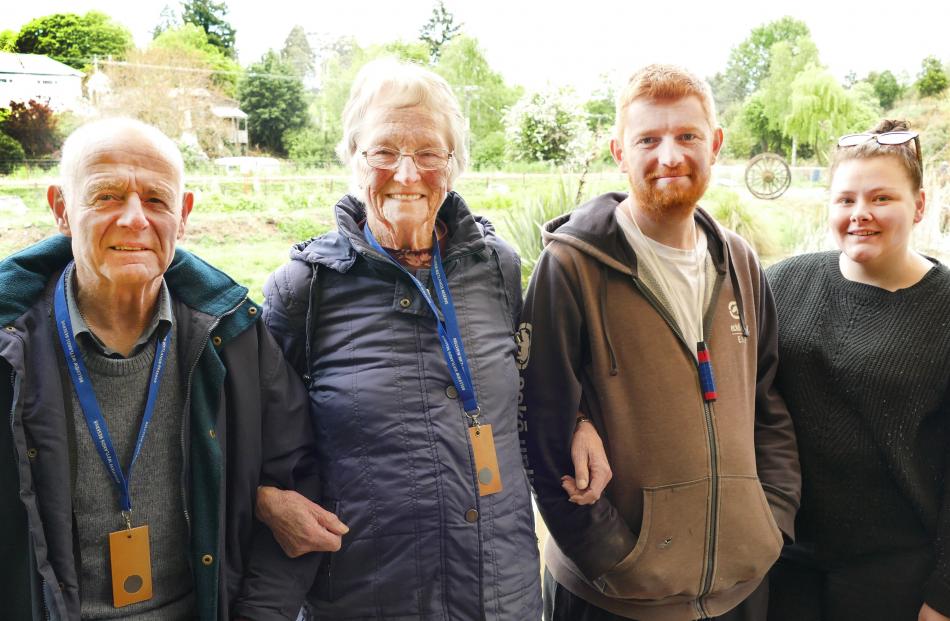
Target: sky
(540,43)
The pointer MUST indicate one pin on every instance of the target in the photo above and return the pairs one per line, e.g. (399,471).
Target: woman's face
(405,199)
(873,209)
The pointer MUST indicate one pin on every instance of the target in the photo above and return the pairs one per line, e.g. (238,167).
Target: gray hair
(76,144)
(391,83)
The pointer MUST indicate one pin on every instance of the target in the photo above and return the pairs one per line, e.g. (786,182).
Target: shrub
(11,154)
(524,225)
(489,152)
(727,207)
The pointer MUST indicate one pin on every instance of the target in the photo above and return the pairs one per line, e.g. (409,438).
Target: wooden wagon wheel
(767,176)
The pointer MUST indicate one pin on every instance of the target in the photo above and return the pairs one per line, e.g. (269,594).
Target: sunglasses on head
(887,138)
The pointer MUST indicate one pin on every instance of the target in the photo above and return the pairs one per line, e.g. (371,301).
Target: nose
(860,211)
(406,171)
(669,153)
(133,213)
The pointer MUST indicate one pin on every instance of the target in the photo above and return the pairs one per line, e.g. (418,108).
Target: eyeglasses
(424,159)
(887,138)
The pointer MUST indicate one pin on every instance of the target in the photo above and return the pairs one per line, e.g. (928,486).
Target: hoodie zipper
(713,515)
(187,410)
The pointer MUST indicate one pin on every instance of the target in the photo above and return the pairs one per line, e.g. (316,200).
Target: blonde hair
(664,83)
(391,83)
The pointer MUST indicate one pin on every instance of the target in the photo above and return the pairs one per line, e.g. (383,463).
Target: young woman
(864,345)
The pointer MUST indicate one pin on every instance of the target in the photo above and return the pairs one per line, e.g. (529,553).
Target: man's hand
(591,470)
(299,525)
(929,614)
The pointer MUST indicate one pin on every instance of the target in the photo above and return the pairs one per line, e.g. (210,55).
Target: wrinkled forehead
(127,156)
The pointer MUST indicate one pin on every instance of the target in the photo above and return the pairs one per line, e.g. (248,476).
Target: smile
(127,248)
(862,233)
(405,197)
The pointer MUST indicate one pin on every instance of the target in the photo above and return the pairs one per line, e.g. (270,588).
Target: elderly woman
(864,365)
(402,323)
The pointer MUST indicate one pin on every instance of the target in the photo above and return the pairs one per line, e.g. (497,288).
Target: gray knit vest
(121,387)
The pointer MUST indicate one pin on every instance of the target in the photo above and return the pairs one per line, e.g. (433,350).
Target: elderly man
(657,325)
(145,404)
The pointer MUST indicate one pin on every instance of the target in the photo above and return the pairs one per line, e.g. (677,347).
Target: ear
(187,202)
(616,150)
(919,205)
(54,196)
(717,143)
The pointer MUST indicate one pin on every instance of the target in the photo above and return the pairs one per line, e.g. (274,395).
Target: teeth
(127,248)
(406,197)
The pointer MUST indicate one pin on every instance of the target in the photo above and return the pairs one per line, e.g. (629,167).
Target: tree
(273,96)
(32,125)
(167,20)
(298,53)
(886,87)
(820,110)
(788,59)
(8,40)
(932,79)
(547,127)
(481,91)
(750,61)
(73,39)
(439,30)
(191,42)
(211,17)
(171,85)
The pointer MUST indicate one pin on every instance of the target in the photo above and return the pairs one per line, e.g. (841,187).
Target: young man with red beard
(654,326)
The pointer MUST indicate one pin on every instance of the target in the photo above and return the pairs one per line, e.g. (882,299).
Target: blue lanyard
(87,396)
(449,335)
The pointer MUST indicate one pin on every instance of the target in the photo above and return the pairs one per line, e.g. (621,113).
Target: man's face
(123,210)
(667,151)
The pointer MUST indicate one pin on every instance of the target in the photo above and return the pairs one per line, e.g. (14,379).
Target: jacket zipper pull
(706,380)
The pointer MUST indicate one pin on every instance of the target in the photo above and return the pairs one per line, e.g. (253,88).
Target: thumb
(581,474)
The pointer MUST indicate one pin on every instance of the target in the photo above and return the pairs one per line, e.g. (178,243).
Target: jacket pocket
(668,558)
(749,540)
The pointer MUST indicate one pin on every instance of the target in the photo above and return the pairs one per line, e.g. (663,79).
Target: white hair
(390,83)
(76,144)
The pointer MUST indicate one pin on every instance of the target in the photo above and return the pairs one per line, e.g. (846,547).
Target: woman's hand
(591,469)
(299,525)
(929,614)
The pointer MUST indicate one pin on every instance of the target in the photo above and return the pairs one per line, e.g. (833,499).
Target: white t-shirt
(679,278)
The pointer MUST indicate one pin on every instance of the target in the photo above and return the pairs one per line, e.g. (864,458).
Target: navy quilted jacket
(393,449)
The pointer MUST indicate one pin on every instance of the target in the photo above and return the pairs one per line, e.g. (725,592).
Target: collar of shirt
(163,317)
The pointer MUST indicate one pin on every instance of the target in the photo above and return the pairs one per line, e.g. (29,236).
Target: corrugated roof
(34,64)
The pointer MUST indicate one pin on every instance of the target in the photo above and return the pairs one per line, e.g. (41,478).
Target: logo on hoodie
(523,340)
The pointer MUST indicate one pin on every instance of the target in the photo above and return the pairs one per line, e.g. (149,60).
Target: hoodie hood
(338,250)
(593,229)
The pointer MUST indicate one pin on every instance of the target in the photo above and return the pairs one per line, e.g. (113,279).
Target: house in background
(32,76)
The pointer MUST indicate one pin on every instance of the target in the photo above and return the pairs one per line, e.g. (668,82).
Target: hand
(591,470)
(299,525)
(929,614)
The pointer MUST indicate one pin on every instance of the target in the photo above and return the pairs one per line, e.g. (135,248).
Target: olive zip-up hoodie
(702,493)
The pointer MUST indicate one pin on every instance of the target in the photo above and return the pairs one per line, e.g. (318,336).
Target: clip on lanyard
(87,396)
(487,472)
(129,550)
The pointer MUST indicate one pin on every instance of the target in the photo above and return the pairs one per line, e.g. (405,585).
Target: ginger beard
(659,198)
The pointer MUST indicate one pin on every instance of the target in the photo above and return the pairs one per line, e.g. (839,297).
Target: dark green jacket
(245,424)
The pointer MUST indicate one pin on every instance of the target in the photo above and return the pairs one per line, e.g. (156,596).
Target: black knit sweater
(865,373)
